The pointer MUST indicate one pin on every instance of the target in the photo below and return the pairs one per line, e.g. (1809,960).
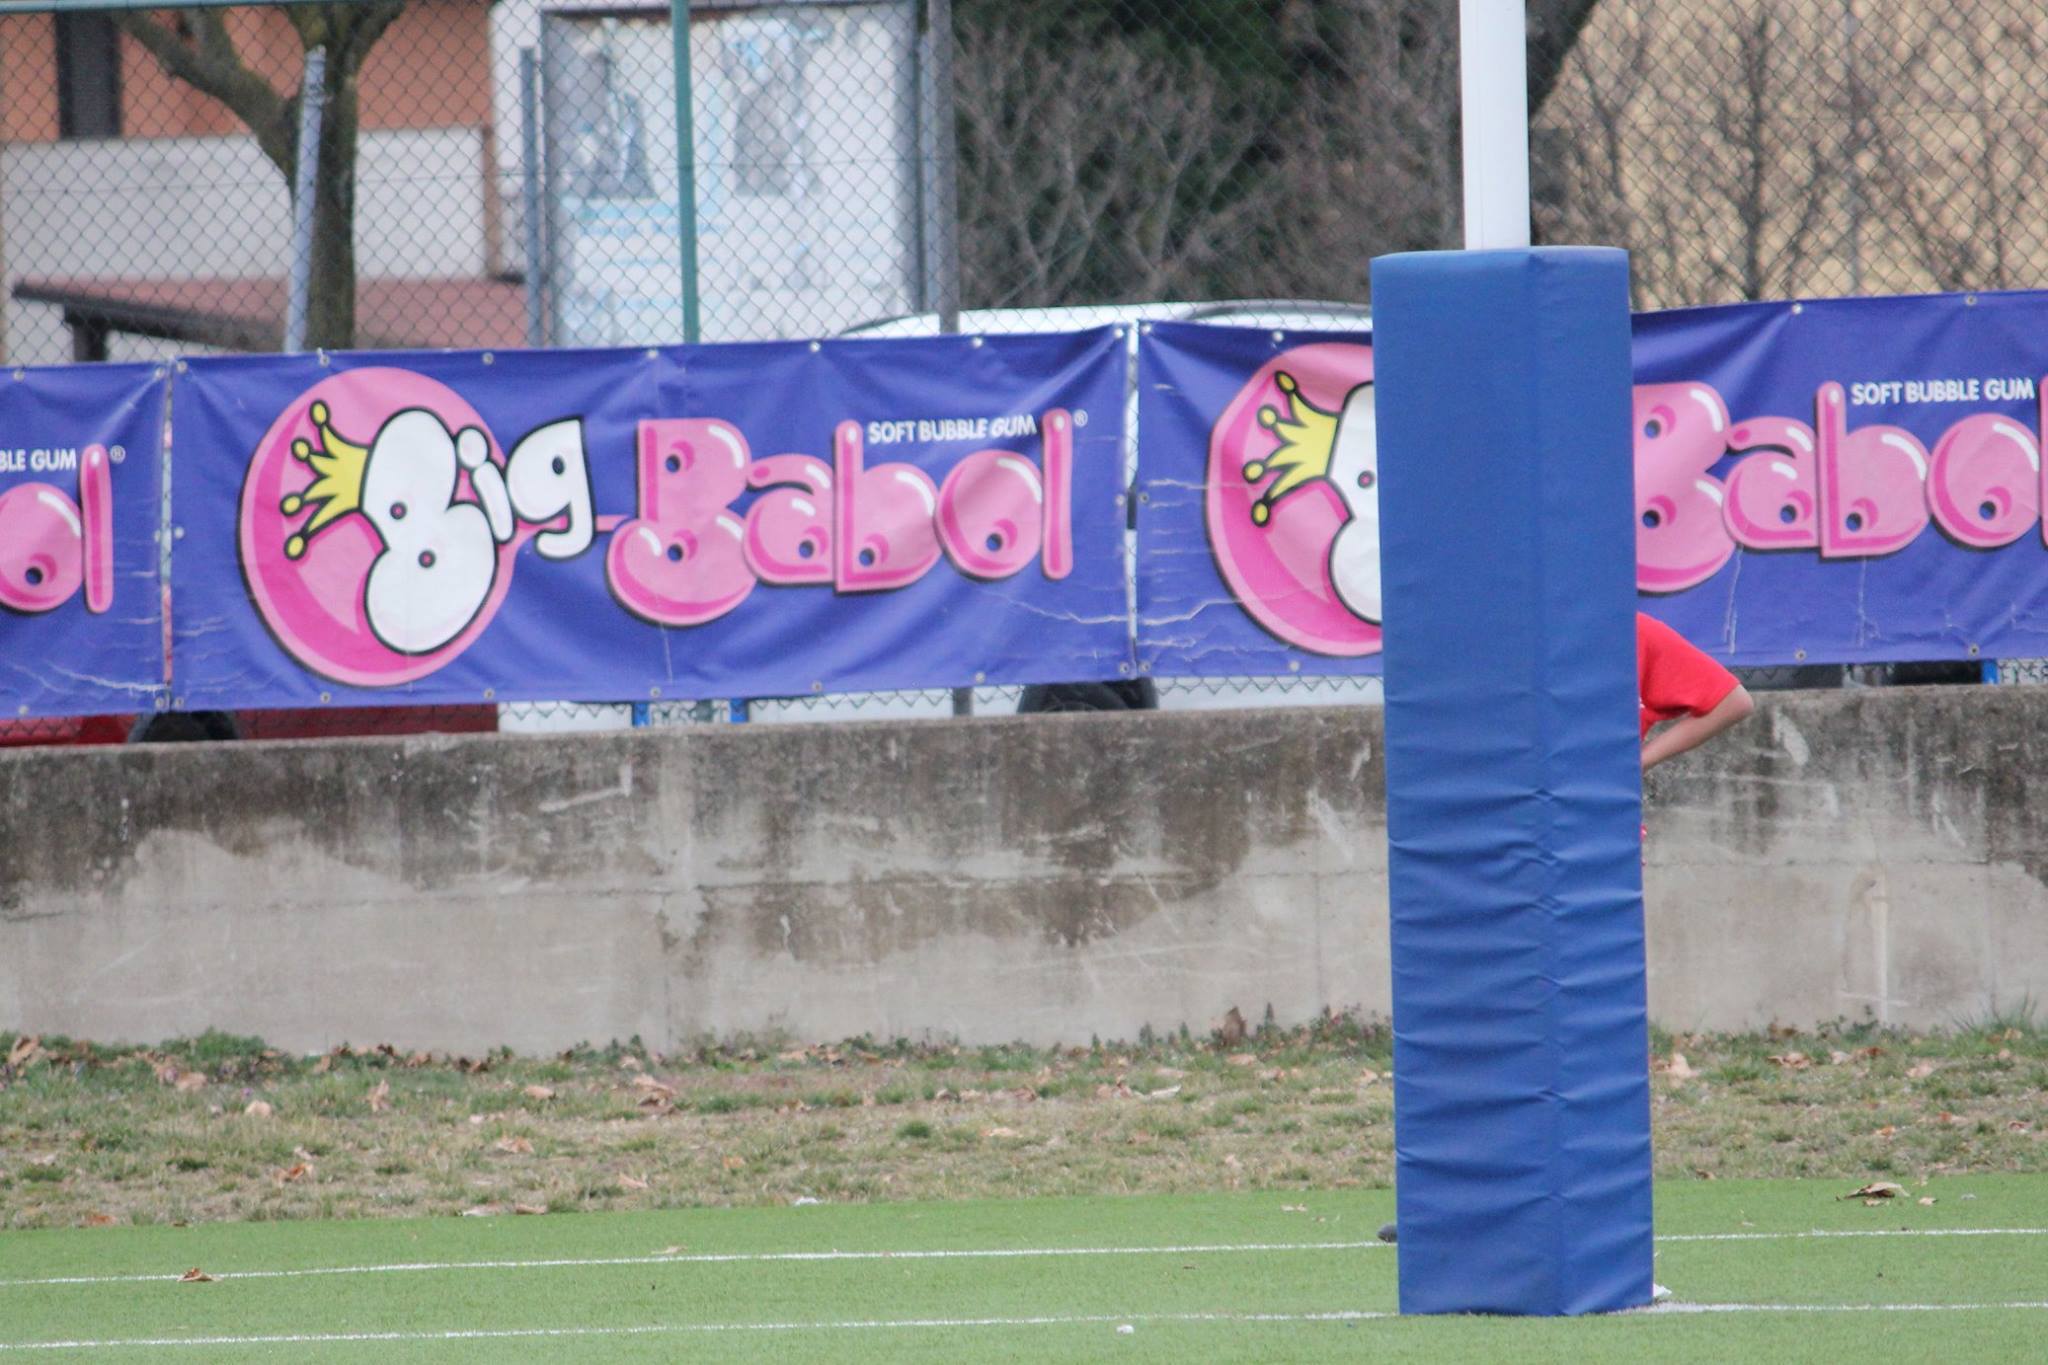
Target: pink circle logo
(375,528)
(1293,499)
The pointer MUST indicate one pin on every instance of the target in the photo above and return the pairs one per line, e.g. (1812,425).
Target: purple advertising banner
(746,521)
(1842,481)
(81,483)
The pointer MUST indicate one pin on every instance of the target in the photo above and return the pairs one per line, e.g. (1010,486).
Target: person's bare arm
(1689,732)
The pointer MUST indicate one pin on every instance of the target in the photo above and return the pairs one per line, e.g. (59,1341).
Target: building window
(88,76)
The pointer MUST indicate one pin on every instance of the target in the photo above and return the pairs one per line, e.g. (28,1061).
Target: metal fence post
(939,195)
(530,144)
(300,287)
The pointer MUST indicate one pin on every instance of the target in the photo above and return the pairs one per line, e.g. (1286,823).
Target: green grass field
(1762,1270)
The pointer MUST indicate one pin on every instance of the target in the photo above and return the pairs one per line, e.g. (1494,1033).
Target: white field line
(964,1253)
(914,1324)
(720,1258)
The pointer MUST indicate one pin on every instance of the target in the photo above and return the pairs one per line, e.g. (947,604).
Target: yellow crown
(337,489)
(1308,436)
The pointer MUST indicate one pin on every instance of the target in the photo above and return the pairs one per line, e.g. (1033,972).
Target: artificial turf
(662,1297)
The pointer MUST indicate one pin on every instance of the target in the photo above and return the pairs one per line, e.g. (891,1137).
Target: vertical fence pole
(939,194)
(529,155)
(300,286)
(686,166)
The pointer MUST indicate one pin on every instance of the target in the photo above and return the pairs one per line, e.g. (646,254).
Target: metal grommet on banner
(653,354)
(1969,300)
(1799,654)
(817,687)
(654,693)
(326,696)
(20,373)
(1123,669)
(21,710)
(1294,665)
(976,343)
(1973,651)
(163,703)
(490,694)
(1279,338)
(489,358)
(1798,308)
(816,347)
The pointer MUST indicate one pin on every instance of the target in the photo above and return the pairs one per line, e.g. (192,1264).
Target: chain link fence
(495,174)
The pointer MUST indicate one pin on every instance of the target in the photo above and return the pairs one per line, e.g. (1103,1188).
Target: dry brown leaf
(195,1276)
(734,1163)
(1886,1131)
(513,1146)
(189,1081)
(1921,1072)
(380,1097)
(1676,1067)
(259,1109)
(942,1093)
(529,1208)
(324,1065)
(538,1092)
(1837,1057)
(2005,1054)
(1294,1208)
(480,1211)
(1791,1061)
(670,1251)
(1368,1077)
(795,1054)
(1230,1160)
(24,1051)
(628,1182)
(1869,1052)
(418,1059)
(46,1159)
(294,1173)
(1945,1117)
(1165,1094)
(97,1219)
(2019,1126)
(629,1063)
(649,1086)
(1241,1059)
(998,1132)
(1877,1190)
(1927,1200)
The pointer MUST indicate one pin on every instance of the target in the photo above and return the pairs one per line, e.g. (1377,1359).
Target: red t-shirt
(1673,677)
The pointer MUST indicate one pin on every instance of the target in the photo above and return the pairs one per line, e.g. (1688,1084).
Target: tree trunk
(331,293)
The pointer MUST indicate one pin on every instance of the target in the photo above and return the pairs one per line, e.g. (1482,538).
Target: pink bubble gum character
(1773,496)
(50,546)
(1682,538)
(1873,482)
(1983,481)
(1292,499)
(375,531)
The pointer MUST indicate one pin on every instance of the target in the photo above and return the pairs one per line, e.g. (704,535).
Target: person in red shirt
(1677,682)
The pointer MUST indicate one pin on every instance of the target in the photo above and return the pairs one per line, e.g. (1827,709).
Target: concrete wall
(1047,878)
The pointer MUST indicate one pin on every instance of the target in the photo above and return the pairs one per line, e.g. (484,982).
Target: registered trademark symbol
(1081,418)
(117,453)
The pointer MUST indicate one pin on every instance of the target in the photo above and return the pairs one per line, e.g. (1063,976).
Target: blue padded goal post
(1514,787)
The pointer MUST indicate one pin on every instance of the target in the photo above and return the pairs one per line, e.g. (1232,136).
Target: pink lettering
(990,510)
(1983,481)
(1681,537)
(681,561)
(1772,497)
(883,533)
(1872,483)
(789,528)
